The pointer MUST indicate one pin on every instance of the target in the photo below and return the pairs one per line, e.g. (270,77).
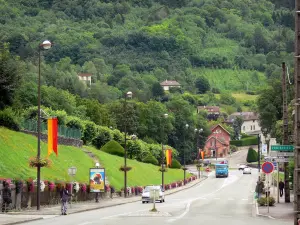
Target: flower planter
(128,168)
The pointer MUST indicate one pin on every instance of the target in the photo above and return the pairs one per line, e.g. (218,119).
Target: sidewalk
(281,210)
(53,211)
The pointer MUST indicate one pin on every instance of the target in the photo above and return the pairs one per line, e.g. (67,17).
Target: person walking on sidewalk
(259,187)
(281,187)
(64,195)
(6,196)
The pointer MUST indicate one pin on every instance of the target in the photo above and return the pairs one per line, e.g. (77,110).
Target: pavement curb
(24,221)
(262,215)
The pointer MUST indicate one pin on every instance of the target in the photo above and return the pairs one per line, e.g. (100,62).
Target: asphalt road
(237,158)
(214,201)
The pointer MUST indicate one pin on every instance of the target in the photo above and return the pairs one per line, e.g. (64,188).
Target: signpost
(280,154)
(267,168)
(283,148)
(72,172)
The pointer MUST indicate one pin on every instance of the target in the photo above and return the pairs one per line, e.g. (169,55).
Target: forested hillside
(237,45)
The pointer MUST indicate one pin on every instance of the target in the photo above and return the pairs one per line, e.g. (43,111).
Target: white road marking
(227,181)
(245,199)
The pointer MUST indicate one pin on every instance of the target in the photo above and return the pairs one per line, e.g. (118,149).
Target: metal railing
(63,131)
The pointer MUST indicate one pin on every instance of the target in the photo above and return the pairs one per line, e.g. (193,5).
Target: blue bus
(222,170)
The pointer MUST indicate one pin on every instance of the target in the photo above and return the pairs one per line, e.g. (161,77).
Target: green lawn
(140,174)
(16,148)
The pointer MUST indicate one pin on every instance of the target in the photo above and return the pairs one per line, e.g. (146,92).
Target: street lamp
(184,168)
(72,172)
(165,116)
(44,46)
(129,96)
(97,165)
(197,146)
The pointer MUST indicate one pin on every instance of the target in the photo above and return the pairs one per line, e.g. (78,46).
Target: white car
(146,194)
(242,167)
(247,170)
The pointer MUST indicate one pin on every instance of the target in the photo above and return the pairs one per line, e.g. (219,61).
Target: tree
(238,122)
(227,99)
(10,76)
(202,85)
(252,155)
(157,90)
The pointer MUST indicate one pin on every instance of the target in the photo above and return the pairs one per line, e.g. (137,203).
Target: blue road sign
(267,167)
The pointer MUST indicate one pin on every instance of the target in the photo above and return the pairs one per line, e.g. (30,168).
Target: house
(167,84)
(250,124)
(213,112)
(218,142)
(86,77)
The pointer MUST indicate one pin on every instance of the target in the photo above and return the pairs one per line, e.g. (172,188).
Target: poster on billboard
(97,179)
(264,150)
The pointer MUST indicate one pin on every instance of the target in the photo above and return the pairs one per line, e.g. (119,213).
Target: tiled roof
(219,125)
(245,116)
(85,74)
(209,108)
(219,140)
(169,83)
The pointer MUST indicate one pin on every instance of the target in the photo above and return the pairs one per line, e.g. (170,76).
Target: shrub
(89,132)
(175,164)
(263,201)
(252,155)
(75,122)
(102,137)
(8,119)
(245,141)
(151,159)
(117,136)
(114,148)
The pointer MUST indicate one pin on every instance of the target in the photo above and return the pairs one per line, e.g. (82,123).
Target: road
(237,158)
(226,200)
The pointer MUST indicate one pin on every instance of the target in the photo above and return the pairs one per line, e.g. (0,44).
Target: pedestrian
(6,197)
(281,187)
(64,195)
(259,187)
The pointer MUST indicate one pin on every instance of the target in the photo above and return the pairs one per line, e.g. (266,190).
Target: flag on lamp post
(169,157)
(52,136)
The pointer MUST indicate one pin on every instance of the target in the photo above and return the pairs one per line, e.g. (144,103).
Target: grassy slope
(232,80)
(140,174)
(16,148)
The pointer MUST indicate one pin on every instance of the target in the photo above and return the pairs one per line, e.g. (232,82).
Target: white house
(86,77)
(250,124)
(167,84)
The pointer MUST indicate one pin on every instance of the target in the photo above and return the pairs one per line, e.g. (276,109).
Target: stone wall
(61,140)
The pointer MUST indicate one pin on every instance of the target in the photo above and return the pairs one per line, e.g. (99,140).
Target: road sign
(276,154)
(284,148)
(264,150)
(267,167)
(282,160)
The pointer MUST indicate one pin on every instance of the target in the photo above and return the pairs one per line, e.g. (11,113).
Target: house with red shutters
(218,142)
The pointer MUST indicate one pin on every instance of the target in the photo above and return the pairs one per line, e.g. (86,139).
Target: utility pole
(258,151)
(285,134)
(297,115)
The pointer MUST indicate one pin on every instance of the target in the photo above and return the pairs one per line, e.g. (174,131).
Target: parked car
(247,170)
(146,195)
(242,167)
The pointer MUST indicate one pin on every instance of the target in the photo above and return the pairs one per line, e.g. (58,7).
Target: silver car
(247,170)
(146,195)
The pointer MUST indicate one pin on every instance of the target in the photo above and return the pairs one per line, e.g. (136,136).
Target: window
(244,128)
(253,127)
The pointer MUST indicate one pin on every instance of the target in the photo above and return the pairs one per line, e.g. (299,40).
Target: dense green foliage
(245,141)
(133,45)
(114,148)
(252,155)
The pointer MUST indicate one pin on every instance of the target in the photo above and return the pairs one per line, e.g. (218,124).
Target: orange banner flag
(52,136)
(169,157)
(202,155)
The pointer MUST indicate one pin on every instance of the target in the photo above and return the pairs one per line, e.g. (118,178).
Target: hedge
(245,142)
(114,148)
(175,164)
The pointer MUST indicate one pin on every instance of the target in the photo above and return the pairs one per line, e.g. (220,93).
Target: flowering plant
(51,186)
(83,188)
(30,185)
(39,162)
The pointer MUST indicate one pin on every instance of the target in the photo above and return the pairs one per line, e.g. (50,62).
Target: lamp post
(197,146)
(128,95)
(162,150)
(97,165)
(184,168)
(258,151)
(44,46)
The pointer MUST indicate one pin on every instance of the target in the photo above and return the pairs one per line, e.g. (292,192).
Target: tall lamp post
(44,46)
(184,168)
(162,150)
(128,95)
(197,146)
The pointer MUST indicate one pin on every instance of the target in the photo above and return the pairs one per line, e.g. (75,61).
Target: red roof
(169,83)
(209,108)
(219,140)
(85,74)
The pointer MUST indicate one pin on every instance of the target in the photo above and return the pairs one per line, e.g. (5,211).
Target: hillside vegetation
(16,148)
